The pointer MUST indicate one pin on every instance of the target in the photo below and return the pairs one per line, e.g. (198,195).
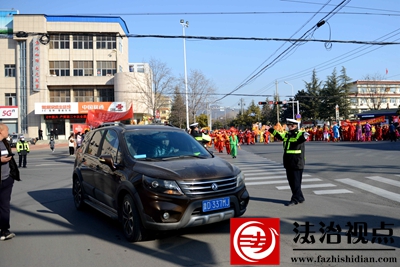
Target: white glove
(306,135)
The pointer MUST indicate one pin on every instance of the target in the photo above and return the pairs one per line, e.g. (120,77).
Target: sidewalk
(44,144)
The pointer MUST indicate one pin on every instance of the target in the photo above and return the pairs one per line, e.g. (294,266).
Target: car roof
(128,127)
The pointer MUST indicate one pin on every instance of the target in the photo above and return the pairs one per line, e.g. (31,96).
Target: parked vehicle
(155,177)
(14,139)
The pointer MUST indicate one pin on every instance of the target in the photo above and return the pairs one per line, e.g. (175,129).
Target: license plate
(216,204)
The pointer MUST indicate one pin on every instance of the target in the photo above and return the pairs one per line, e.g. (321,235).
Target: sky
(243,71)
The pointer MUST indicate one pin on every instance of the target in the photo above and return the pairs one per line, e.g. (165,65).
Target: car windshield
(163,145)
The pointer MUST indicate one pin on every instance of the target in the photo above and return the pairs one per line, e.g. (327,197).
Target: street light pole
(292,99)
(185,25)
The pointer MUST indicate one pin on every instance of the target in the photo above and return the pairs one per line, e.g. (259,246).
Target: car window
(93,147)
(111,146)
(155,144)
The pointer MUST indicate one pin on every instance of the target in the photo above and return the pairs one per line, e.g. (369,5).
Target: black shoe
(24,167)
(301,201)
(291,203)
(6,235)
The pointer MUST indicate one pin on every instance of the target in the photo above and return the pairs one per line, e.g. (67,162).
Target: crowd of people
(357,132)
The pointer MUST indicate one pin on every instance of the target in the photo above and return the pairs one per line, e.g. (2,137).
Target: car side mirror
(108,160)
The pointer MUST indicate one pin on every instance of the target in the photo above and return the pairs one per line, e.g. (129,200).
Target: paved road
(51,232)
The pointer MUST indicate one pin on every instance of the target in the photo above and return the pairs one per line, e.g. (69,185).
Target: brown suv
(155,177)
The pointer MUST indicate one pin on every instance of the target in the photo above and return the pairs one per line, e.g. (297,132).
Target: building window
(60,41)
(140,68)
(393,100)
(59,68)
(11,99)
(353,101)
(60,95)
(82,42)
(105,95)
(83,95)
(83,68)
(106,68)
(106,42)
(9,70)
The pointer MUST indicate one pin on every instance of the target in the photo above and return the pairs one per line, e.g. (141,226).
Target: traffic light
(262,103)
(278,102)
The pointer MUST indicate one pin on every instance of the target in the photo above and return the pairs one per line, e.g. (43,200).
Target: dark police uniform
(293,159)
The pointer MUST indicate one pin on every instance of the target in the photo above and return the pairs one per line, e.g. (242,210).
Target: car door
(106,179)
(89,162)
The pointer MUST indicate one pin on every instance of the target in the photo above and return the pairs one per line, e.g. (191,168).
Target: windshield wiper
(184,156)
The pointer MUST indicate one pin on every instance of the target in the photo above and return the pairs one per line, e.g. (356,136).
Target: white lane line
(372,189)
(268,182)
(282,182)
(264,177)
(263,170)
(384,180)
(334,191)
(307,186)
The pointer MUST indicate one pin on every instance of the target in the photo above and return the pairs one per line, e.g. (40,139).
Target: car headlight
(162,186)
(240,179)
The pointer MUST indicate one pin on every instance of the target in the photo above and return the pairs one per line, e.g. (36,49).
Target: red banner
(98,116)
(362,122)
(80,128)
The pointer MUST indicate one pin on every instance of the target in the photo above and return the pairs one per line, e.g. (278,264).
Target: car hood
(184,169)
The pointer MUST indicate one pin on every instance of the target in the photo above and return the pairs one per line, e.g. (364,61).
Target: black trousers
(71,150)
(294,178)
(5,198)
(22,159)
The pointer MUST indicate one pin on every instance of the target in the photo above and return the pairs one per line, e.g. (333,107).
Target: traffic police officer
(23,150)
(293,157)
(199,136)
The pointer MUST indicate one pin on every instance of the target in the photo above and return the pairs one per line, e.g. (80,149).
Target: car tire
(130,219)
(77,193)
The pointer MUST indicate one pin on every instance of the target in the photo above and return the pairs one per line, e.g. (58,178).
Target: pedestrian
(40,134)
(71,144)
(52,144)
(293,157)
(392,133)
(9,172)
(336,132)
(23,150)
(234,144)
(56,134)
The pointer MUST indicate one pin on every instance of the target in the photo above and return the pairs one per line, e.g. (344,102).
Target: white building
(374,95)
(55,68)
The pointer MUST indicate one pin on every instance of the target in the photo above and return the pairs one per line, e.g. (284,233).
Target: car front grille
(200,187)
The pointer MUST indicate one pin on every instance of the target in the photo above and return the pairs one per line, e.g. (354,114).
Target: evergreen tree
(344,105)
(309,100)
(330,97)
(178,110)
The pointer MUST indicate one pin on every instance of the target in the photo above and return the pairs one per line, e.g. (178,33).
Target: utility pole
(241,104)
(277,99)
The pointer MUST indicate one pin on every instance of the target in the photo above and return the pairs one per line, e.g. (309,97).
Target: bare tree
(373,94)
(200,92)
(154,85)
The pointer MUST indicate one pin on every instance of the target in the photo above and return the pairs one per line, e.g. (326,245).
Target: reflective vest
(293,148)
(22,146)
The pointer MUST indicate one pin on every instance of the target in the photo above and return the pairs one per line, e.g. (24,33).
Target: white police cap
(292,121)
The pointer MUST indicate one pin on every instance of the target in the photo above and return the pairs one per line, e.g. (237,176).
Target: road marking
(384,180)
(257,177)
(307,186)
(282,182)
(372,189)
(334,191)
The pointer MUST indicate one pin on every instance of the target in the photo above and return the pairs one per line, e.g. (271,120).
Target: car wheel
(131,224)
(77,192)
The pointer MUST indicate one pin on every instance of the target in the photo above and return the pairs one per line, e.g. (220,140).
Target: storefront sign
(8,112)
(36,64)
(65,117)
(77,107)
